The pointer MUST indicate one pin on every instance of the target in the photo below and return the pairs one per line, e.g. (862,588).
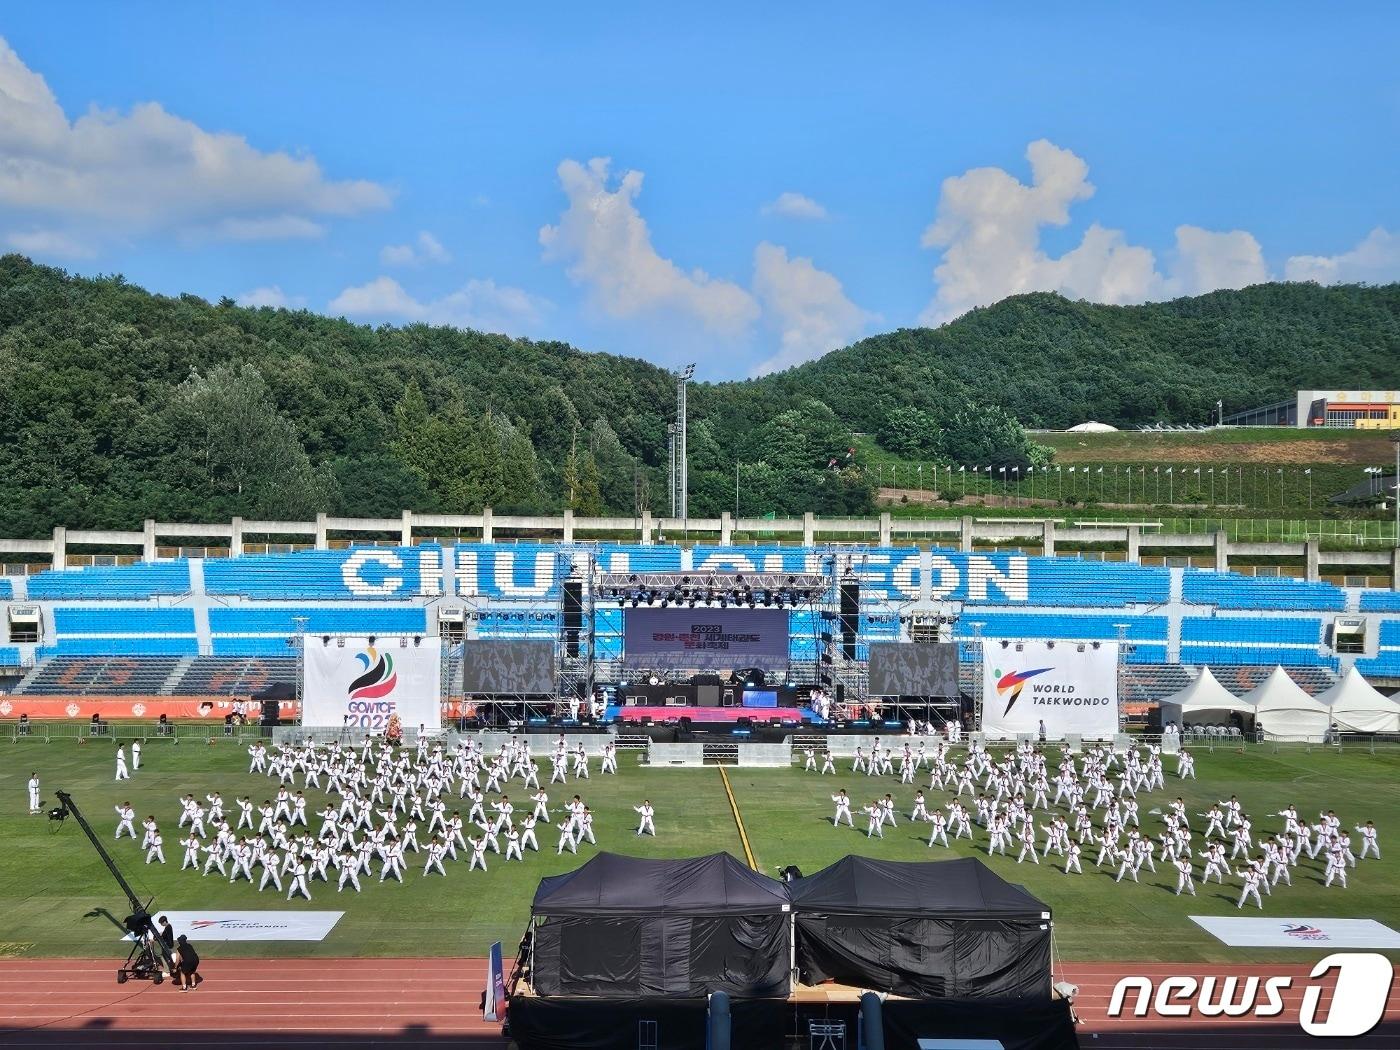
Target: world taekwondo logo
(1304,932)
(1009,685)
(378,679)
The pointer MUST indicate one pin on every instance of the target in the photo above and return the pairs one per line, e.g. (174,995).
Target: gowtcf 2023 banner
(1072,688)
(359,685)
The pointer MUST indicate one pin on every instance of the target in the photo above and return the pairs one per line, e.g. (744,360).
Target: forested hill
(1053,363)
(118,405)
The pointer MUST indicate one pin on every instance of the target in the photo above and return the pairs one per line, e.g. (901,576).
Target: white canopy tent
(1283,710)
(1204,700)
(1358,707)
(1093,426)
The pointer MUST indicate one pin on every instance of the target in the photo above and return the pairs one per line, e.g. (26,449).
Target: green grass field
(50,877)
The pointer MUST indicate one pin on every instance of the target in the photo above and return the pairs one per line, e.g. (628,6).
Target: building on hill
(1333,409)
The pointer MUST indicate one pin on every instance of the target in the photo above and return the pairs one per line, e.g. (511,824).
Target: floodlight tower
(679,474)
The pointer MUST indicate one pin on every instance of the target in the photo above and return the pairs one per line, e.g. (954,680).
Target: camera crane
(149,958)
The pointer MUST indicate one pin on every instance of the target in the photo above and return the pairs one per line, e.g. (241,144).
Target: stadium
(527,630)
(628,527)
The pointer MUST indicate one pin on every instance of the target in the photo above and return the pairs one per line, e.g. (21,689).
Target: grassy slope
(49,878)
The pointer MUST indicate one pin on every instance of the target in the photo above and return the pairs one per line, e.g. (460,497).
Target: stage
(727,716)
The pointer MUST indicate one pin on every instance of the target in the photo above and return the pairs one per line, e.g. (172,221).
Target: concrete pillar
(60,547)
(1313,562)
(1222,551)
(568,525)
(965,541)
(646,528)
(486,525)
(726,528)
(148,540)
(406,529)
(886,530)
(1047,537)
(235,538)
(322,533)
(1134,543)
(809,529)
(1395,568)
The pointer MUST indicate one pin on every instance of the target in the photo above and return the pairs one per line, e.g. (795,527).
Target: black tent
(946,929)
(626,927)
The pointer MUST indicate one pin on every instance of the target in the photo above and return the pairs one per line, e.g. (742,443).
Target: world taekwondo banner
(1030,682)
(713,639)
(359,685)
(218,925)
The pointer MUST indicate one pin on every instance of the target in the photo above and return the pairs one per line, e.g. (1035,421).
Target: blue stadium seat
(1230,590)
(142,580)
(71,620)
(246,619)
(1380,601)
(9,656)
(359,573)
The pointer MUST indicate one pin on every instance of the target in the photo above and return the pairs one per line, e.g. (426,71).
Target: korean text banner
(361,686)
(705,638)
(1031,682)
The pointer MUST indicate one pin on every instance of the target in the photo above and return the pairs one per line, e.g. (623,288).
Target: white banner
(1298,933)
(251,925)
(1071,687)
(349,682)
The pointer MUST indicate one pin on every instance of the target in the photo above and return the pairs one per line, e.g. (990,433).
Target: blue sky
(812,173)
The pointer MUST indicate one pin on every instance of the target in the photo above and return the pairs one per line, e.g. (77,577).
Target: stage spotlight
(1050,645)
(1005,644)
(417,640)
(685,579)
(325,639)
(692,603)
(371,640)
(632,578)
(665,602)
(724,603)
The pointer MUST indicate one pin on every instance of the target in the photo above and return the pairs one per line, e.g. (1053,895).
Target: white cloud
(271,295)
(792,205)
(1376,260)
(425,249)
(806,305)
(268,228)
(148,171)
(50,244)
(480,304)
(606,245)
(1206,260)
(989,223)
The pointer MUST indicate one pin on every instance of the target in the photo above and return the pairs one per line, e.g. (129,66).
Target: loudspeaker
(850,617)
(271,715)
(573,616)
(707,695)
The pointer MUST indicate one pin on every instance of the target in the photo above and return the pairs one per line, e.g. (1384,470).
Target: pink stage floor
(727,715)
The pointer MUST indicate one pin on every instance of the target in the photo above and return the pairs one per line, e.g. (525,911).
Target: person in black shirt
(187,965)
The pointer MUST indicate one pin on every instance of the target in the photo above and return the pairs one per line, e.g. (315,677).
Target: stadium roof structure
(611,884)
(1358,707)
(964,888)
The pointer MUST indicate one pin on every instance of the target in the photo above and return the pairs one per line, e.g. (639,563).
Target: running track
(365,1003)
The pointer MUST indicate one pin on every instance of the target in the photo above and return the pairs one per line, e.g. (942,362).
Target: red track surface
(264,1003)
(364,1003)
